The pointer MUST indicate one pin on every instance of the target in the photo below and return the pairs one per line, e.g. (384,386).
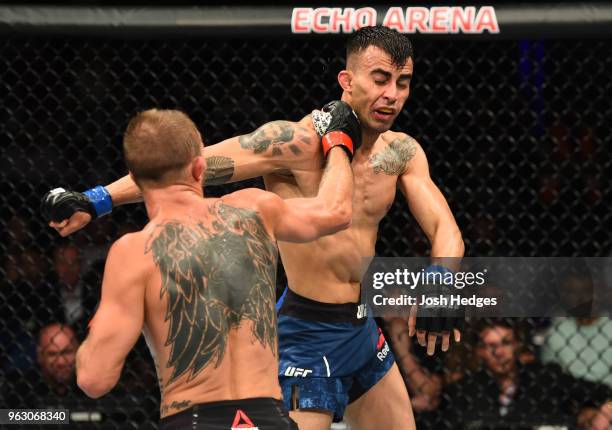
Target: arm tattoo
(273,133)
(393,158)
(214,278)
(295,149)
(165,408)
(219,170)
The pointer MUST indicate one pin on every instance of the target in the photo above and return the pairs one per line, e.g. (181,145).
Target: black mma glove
(59,204)
(337,124)
(443,317)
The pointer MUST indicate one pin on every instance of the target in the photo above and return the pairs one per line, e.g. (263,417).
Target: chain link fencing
(517,135)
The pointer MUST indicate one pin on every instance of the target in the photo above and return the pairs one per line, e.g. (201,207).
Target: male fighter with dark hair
(199,279)
(331,353)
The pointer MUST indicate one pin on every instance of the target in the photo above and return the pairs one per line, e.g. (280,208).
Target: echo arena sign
(431,20)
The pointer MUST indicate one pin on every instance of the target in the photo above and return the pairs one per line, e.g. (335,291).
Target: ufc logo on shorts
(297,371)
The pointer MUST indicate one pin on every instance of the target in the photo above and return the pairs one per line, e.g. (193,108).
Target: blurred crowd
(48,294)
(512,373)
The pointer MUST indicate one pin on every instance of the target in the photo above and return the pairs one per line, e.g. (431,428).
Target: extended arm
(116,326)
(275,146)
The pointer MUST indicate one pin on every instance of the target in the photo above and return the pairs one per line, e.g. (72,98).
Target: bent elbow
(343,216)
(92,385)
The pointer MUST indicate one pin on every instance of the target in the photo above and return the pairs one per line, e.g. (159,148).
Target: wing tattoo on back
(214,279)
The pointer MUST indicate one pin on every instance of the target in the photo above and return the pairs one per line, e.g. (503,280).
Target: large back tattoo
(214,278)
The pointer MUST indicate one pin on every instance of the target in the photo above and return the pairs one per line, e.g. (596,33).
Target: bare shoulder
(401,140)
(245,198)
(128,244)
(263,204)
(251,207)
(129,249)
(395,154)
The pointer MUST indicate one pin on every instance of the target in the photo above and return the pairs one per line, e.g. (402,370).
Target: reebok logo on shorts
(382,354)
(243,422)
(382,346)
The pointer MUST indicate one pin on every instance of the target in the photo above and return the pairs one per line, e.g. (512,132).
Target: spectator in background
(52,385)
(56,354)
(483,234)
(67,264)
(53,382)
(21,292)
(520,395)
(17,235)
(77,294)
(94,245)
(581,344)
(423,374)
(22,307)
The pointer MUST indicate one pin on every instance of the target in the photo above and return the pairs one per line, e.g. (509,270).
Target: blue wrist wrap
(101,200)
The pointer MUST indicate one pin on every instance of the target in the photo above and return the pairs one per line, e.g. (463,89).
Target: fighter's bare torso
(334,262)
(209,303)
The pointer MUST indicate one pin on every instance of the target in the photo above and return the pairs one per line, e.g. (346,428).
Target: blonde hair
(159,144)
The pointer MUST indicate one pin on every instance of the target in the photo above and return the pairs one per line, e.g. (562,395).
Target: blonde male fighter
(199,279)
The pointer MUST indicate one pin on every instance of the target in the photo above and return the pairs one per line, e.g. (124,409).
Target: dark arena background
(516,126)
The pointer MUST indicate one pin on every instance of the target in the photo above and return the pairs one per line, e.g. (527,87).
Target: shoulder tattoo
(392,159)
(276,135)
(273,134)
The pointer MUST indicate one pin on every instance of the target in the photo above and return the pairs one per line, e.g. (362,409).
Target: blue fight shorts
(330,354)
